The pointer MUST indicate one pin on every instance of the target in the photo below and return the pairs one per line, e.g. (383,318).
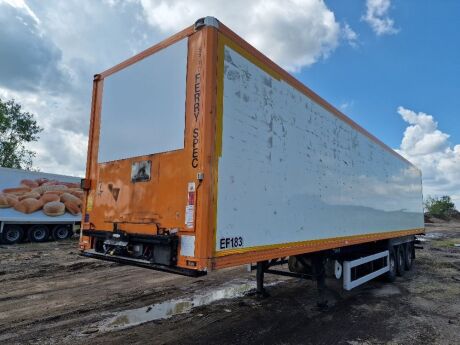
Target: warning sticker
(190,208)
(189,216)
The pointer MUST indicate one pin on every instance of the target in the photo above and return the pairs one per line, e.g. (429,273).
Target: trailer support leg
(320,277)
(261,267)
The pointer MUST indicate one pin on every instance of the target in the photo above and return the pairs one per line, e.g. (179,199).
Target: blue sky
(418,68)
(393,66)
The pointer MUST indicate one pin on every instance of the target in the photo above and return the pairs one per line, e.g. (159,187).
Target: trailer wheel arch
(12,234)
(38,233)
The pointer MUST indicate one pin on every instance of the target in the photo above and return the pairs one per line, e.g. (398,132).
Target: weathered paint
(291,171)
(162,199)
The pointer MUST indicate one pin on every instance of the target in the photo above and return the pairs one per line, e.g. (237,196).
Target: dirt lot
(50,295)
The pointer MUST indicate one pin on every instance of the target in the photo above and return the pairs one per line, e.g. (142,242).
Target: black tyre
(400,259)
(12,233)
(38,233)
(390,276)
(408,258)
(61,232)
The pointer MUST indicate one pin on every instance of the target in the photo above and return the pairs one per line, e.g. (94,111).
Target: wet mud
(50,295)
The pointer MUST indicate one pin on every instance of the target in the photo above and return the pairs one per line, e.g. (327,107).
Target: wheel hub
(62,233)
(12,235)
(39,234)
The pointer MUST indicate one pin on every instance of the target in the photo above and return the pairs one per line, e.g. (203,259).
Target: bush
(440,207)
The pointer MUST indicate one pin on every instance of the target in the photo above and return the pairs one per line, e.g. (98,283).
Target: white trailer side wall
(292,171)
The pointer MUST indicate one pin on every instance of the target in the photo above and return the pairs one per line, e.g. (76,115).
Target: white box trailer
(241,163)
(36,226)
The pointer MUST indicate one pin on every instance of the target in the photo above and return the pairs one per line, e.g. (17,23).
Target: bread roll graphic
(77,193)
(12,199)
(29,183)
(42,180)
(72,207)
(48,197)
(54,208)
(17,191)
(71,185)
(54,192)
(52,195)
(28,205)
(69,197)
(33,195)
(4,201)
(42,189)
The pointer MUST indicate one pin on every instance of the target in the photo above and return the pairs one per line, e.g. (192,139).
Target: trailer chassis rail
(144,264)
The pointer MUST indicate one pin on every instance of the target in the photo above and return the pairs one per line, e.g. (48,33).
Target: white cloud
(55,48)
(428,148)
(294,33)
(346,105)
(53,52)
(377,17)
(21,4)
(422,136)
(349,35)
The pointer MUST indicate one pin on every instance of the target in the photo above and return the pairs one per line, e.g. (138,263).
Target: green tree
(441,207)
(17,128)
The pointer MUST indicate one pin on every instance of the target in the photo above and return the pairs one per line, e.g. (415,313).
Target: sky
(393,66)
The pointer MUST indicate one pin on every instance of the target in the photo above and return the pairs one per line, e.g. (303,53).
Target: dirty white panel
(143,106)
(292,171)
(187,245)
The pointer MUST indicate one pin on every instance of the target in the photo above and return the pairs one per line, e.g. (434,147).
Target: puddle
(167,309)
(430,236)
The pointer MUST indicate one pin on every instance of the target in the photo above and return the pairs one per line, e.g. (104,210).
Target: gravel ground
(50,295)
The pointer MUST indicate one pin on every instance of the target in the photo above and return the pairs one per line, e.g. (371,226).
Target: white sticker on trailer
(189,215)
(187,245)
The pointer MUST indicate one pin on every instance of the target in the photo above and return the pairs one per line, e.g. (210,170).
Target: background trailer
(28,202)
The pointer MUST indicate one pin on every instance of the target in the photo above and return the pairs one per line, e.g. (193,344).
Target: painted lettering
(197,96)
(196,140)
(231,242)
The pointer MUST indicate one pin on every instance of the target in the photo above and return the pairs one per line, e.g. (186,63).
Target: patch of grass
(449,242)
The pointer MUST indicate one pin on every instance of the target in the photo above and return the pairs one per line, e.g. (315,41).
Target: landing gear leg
(320,277)
(261,267)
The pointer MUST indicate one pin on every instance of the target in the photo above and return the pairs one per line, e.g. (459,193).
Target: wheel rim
(13,235)
(62,233)
(39,234)
(401,259)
